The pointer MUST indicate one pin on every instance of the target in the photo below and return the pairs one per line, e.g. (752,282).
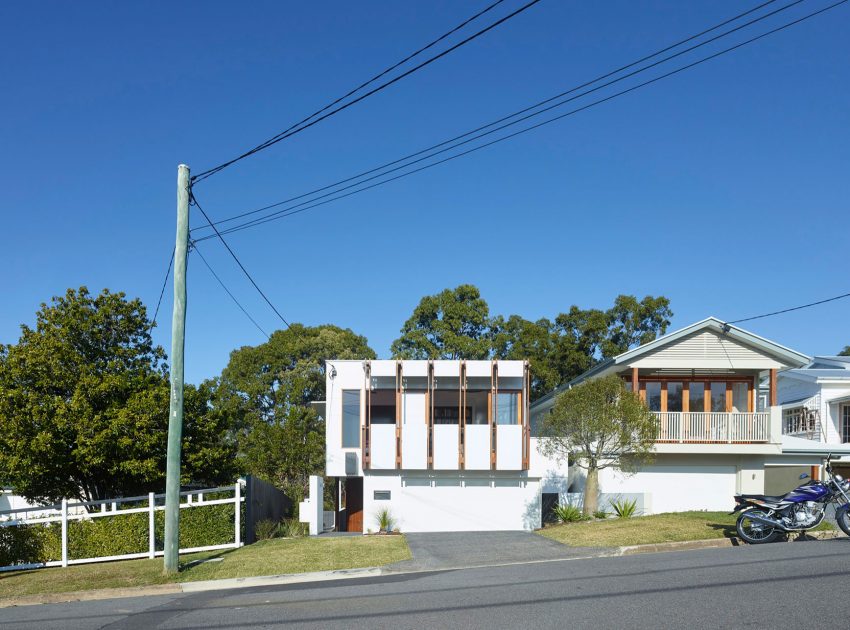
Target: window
(382,406)
(507,408)
(477,399)
(653,396)
(696,396)
(845,423)
(350,418)
(674,396)
(740,394)
(382,495)
(718,396)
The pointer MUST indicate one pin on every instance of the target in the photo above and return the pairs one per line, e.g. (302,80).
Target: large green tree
(518,338)
(845,352)
(266,391)
(599,424)
(84,406)
(453,324)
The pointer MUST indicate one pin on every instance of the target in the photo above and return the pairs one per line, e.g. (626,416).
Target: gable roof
(771,348)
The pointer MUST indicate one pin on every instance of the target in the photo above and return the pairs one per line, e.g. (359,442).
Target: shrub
(293,528)
(600,514)
(384,519)
(624,508)
(266,529)
(568,513)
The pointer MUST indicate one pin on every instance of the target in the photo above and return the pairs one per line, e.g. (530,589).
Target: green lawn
(270,557)
(645,530)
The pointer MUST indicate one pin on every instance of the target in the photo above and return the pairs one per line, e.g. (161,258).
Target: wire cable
(290,212)
(232,297)
(291,131)
(194,200)
(517,113)
(162,291)
(788,310)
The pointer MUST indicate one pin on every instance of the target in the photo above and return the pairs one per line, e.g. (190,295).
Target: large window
(845,423)
(674,396)
(351,418)
(739,397)
(696,396)
(718,396)
(507,408)
(446,400)
(653,396)
(382,400)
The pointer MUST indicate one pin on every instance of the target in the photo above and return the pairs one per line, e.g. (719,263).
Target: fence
(263,501)
(66,512)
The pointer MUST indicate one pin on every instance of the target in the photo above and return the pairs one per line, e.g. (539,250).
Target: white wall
(383,447)
(509,447)
(449,501)
(477,445)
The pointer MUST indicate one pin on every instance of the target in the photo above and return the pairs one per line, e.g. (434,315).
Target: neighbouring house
(815,403)
(443,445)
(715,438)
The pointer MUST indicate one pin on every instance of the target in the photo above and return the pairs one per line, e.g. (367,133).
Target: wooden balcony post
(635,386)
(772,387)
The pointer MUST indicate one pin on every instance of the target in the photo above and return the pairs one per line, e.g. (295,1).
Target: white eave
(799,446)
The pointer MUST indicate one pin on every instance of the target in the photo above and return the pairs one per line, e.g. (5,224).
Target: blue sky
(724,188)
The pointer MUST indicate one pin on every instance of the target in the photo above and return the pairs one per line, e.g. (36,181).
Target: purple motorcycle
(767,518)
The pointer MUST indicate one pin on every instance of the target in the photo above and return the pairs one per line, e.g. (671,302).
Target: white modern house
(715,439)
(444,445)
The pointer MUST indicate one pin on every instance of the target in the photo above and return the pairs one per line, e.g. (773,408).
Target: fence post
(151,525)
(238,514)
(64,532)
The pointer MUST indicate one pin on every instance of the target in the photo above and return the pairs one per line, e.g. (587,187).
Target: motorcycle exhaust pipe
(766,520)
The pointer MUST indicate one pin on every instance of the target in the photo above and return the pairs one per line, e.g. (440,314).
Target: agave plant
(624,508)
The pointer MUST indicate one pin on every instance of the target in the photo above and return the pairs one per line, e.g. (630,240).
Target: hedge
(200,526)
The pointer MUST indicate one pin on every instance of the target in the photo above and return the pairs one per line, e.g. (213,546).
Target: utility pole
(175,416)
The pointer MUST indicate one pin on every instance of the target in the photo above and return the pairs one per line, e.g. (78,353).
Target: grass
(268,557)
(645,530)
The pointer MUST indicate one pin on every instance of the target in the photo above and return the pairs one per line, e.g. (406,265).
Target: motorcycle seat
(764,497)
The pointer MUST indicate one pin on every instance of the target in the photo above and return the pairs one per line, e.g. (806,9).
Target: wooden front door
(354,503)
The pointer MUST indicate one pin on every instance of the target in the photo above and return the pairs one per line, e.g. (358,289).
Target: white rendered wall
(349,375)
(676,488)
(446,449)
(552,471)
(509,447)
(477,445)
(454,502)
(383,447)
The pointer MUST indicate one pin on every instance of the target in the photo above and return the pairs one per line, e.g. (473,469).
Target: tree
(599,424)
(845,352)
(266,391)
(453,324)
(518,338)
(84,406)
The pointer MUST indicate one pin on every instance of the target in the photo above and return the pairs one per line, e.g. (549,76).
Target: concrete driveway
(450,550)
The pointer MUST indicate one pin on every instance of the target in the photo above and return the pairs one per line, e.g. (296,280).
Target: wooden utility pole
(175,416)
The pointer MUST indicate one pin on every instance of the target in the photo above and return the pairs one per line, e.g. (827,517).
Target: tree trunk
(591,491)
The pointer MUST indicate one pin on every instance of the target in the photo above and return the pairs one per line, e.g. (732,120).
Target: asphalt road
(791,585)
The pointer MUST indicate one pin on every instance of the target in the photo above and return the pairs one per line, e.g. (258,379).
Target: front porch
(678,427)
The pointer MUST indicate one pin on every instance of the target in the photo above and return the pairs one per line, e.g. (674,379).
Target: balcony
(685,427)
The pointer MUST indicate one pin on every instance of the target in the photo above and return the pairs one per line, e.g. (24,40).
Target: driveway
(450,550)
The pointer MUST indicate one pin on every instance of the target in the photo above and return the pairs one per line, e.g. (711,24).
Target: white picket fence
(66,512)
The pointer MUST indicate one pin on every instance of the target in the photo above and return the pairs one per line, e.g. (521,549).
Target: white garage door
(680,488)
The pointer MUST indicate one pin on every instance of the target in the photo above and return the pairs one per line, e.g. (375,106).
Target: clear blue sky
(724,188)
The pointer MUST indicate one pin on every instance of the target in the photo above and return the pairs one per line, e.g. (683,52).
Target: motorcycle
(764,519)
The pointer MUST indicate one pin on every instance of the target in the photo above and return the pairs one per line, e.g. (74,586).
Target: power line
(232,297)
(788,310)
(291,211)
(520,112)
(162,291)
(194,199)
(299,127)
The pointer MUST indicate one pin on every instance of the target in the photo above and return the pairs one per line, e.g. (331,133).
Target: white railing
(713,427)
(67,512)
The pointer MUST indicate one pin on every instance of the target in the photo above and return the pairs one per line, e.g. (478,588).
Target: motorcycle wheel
(753,532)
(843,519)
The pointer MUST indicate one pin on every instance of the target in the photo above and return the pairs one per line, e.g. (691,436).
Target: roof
(789,356)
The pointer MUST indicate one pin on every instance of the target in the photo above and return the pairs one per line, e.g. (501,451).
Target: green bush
(600,514)
(624,508)
(292,528)
(120,534)
(568,513)
(384,520)
(266,529)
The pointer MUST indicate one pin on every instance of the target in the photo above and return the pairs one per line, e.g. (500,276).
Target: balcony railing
(713,427)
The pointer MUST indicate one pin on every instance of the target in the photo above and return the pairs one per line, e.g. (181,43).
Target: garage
(781,479)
